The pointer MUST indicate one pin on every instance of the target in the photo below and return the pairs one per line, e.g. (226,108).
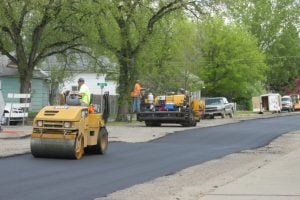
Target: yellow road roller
(68,132)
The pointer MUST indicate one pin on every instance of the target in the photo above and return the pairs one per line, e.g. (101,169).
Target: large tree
(123,29)
(32,30)
(171,58)
(275,24)
(284,59)
(232,65)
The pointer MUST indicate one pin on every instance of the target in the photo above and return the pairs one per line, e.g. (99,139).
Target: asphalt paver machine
(178,108)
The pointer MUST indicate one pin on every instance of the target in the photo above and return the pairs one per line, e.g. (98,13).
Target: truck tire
(152,124)
(185,124)
(231,114)
(189,124)
(223,115)
(193,124)
(148,123)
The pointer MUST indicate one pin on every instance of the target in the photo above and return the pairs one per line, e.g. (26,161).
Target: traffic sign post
(101,85)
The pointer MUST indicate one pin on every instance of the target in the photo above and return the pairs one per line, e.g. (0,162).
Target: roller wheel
(102,142)
(79,147)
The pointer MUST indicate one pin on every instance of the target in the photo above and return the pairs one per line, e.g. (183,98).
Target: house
(9,78)
(82,66)
(93,81)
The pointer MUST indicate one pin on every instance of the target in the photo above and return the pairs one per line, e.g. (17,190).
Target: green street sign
(102,85)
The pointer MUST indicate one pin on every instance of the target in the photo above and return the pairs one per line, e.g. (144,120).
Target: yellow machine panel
(198,108)
(60,113)
(68,132)
(176,99)
(296,101)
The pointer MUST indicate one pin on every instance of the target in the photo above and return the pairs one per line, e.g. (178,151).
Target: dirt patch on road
(194,182)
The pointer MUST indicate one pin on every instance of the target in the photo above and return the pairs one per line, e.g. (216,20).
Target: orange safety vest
(137,90)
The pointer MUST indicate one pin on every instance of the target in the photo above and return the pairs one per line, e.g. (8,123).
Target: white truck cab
(287,103)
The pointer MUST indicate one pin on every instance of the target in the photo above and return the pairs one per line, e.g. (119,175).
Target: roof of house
(9,69)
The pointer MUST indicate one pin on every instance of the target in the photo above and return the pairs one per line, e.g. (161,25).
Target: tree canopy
(232,64)
(275,24)
(235,48)
(31,31)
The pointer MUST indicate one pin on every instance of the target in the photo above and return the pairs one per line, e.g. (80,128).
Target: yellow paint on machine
(71,136)
(68,123)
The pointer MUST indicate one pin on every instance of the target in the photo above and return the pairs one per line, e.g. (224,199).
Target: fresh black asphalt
(26,178)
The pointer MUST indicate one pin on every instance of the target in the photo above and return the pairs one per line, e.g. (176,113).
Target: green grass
(32,115)
(245,112)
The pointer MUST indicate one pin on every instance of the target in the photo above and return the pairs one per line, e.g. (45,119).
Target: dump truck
(171,108)
(69,131)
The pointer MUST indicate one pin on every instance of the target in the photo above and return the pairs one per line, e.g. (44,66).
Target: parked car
(7,112)
(287,103)
(218,106)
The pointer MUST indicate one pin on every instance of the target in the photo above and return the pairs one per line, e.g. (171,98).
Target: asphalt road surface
(26,178)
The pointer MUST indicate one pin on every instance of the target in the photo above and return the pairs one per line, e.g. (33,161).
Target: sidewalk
(279,180)
(14,132)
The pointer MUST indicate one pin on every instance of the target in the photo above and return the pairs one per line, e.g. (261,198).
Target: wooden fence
(113,103)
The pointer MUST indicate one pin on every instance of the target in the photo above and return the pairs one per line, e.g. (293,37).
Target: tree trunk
(25,85)
(126,83)
(25,80)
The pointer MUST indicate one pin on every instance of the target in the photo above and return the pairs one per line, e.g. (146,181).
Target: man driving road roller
(84,92)
(70,130)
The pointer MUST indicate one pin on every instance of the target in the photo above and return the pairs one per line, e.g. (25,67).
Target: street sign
(102,85)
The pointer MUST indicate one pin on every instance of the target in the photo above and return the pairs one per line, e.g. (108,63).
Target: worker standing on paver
(136,94)
(84,92)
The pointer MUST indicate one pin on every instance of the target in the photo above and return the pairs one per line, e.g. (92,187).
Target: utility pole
(102,85)
(2,105)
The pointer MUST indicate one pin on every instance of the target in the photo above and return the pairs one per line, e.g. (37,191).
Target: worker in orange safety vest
(136,94)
